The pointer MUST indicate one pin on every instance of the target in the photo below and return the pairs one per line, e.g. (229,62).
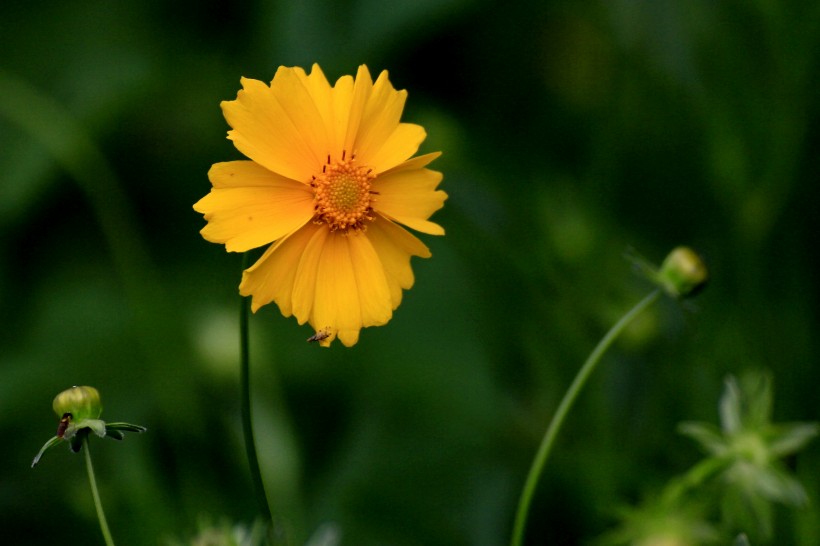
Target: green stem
(97,504)
(692,479)
(247,424)
(558,419)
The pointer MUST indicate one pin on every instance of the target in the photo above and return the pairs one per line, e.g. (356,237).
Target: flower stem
(696,476)
(97,504)
(563,409)
(245,395)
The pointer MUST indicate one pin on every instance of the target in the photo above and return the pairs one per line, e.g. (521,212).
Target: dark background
(570,131)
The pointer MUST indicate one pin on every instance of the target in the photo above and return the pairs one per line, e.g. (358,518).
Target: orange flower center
(342,196)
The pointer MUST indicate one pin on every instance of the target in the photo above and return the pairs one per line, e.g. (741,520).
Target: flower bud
(80,402)
(683,273)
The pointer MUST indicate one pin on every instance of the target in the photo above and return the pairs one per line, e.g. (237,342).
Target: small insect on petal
(64,422)
(320,335)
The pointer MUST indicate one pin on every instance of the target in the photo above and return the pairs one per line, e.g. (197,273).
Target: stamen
(342,195)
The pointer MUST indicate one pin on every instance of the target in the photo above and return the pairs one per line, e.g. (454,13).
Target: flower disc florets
(342,195)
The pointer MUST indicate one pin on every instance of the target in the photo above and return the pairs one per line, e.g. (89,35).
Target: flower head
(79,410)
(683,273)
(330,177)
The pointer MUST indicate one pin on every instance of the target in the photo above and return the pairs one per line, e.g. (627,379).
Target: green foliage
(750,448)
(742,473)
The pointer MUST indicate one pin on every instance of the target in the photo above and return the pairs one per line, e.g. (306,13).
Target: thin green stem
(558,419)
(97,504)
(696,476)
(245,395)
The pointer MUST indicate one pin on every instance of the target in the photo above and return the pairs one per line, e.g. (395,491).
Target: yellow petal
(395,246)
(322,95)
(380,119)
(352,290)
(265,133)
(410,197)
(371,283)
(304,287)
(401,144)
(291,88)
(336,307)
(362,88)
(273,276)
(342,98)
(349,337)
(415,163)
(250,206)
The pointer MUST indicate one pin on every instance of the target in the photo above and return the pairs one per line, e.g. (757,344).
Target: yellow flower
(329,179)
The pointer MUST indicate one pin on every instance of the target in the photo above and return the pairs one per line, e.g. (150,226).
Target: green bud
(79,409)
(81,402)
(683,273)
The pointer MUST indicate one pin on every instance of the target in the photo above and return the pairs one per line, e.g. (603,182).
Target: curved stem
(560,414)
(245,395)
(97,504)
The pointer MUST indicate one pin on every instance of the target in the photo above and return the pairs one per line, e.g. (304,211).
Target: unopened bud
(683,273)
(80,402)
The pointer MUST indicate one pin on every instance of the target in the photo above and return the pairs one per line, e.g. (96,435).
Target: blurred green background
(571,132)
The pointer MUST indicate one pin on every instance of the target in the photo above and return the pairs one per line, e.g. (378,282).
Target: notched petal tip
(349,338)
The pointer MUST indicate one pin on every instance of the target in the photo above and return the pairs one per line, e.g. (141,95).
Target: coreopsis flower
(329,178)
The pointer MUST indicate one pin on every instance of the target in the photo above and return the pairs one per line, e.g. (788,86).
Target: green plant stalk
(695,477)
(245,395)
(547,442)
(97,503)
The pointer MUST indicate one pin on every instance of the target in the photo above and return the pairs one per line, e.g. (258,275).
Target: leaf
(706,434)
(48,445)
(730,407)
(124,427)
(778,486)
(756,389)
(96,425)
(792,437)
